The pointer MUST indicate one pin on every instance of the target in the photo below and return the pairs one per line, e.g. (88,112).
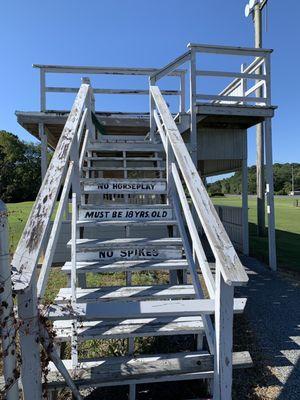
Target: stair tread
(125,146)
(128,168)
(127,158)
(126,293)
(138,327)
(141,309)
(121,242)
(127,222)
(142,369)
(115,206)
(127,265)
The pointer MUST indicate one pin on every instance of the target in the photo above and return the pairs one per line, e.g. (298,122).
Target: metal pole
(260,185)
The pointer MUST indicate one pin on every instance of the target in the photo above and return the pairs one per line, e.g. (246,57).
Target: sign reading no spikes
(134,214)
(130,254)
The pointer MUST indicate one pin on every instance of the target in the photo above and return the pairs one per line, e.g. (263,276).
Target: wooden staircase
(136,208)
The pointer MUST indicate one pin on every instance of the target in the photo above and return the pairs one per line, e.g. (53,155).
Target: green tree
(20,175)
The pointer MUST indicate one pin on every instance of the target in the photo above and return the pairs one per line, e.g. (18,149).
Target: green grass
(287,228)
(287,219)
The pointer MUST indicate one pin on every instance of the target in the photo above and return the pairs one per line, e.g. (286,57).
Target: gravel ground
(273,315)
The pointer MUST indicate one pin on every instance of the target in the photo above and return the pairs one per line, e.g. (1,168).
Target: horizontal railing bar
(230,98)
(169,68)
(232,270)
(30,245)
(251,68)
(56,89)
(254,88)
(230,74)
(229,50)
(66,69)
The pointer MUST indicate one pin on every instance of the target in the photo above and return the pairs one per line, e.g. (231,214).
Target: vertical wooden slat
(223,344)
(44,145)
(152,82)
(31,374)
(182,90)
(193,123)
(74,342)
(245,223)
(8,331)
(42,90)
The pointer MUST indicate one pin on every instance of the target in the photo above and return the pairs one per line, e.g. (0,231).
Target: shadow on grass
(287,245)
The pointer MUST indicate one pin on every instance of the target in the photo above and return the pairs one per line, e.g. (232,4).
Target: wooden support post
(193,110)
(152,107)
(44,145)
(31,374)
(245,223)
(223,344)
(270,196)
(7,319)
(42,89)
(182,90)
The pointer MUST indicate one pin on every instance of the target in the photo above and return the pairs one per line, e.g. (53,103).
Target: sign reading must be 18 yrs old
(130,213)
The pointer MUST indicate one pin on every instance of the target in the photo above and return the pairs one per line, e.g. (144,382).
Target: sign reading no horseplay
(126,186)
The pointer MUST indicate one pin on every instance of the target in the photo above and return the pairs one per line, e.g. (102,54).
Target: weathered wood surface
(28,250)
(158,368)
(127,222)
(133,309)
(128,146)
(159,292)
(231,267)
(7,323)
(91,244)
(124,328)
(230,50)
(123,266)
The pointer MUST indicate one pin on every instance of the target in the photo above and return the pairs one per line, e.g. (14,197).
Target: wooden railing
(229,270)
(107,71)
(62,173)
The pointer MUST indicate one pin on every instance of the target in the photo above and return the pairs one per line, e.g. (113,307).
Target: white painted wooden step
(133,309)
(105,267)
(114,371)
(124,293)
(133,146)
(130,212)
(127,158)
(127,222)
(126,328)
(128,249)
(114,168)
(124,186)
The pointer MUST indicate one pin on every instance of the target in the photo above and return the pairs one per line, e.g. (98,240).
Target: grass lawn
(287,228)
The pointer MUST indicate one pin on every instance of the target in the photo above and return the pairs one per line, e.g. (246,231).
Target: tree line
(20,168)
(282,180)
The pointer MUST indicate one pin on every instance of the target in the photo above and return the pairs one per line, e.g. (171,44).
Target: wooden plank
(229,98)
(131,253)
(123,266)
(125,328)
(7,316)
(224,338)
(127,186)
(129,159)
(229,74)
(232,270)
(132,309)
(129,213)
(169,68)
(90,244)
(230,50)
(124,293)
(54,235)
(159,368)
(68,69)
(141,309)
(57,89)
(28,250)
(116,168)
(121,223)
(138,147)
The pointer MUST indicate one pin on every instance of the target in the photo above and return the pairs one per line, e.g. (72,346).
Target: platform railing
(230,272)
(62,174)
(243,90)
(45,70)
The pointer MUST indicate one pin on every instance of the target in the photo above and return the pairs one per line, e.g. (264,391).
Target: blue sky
(142,33)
